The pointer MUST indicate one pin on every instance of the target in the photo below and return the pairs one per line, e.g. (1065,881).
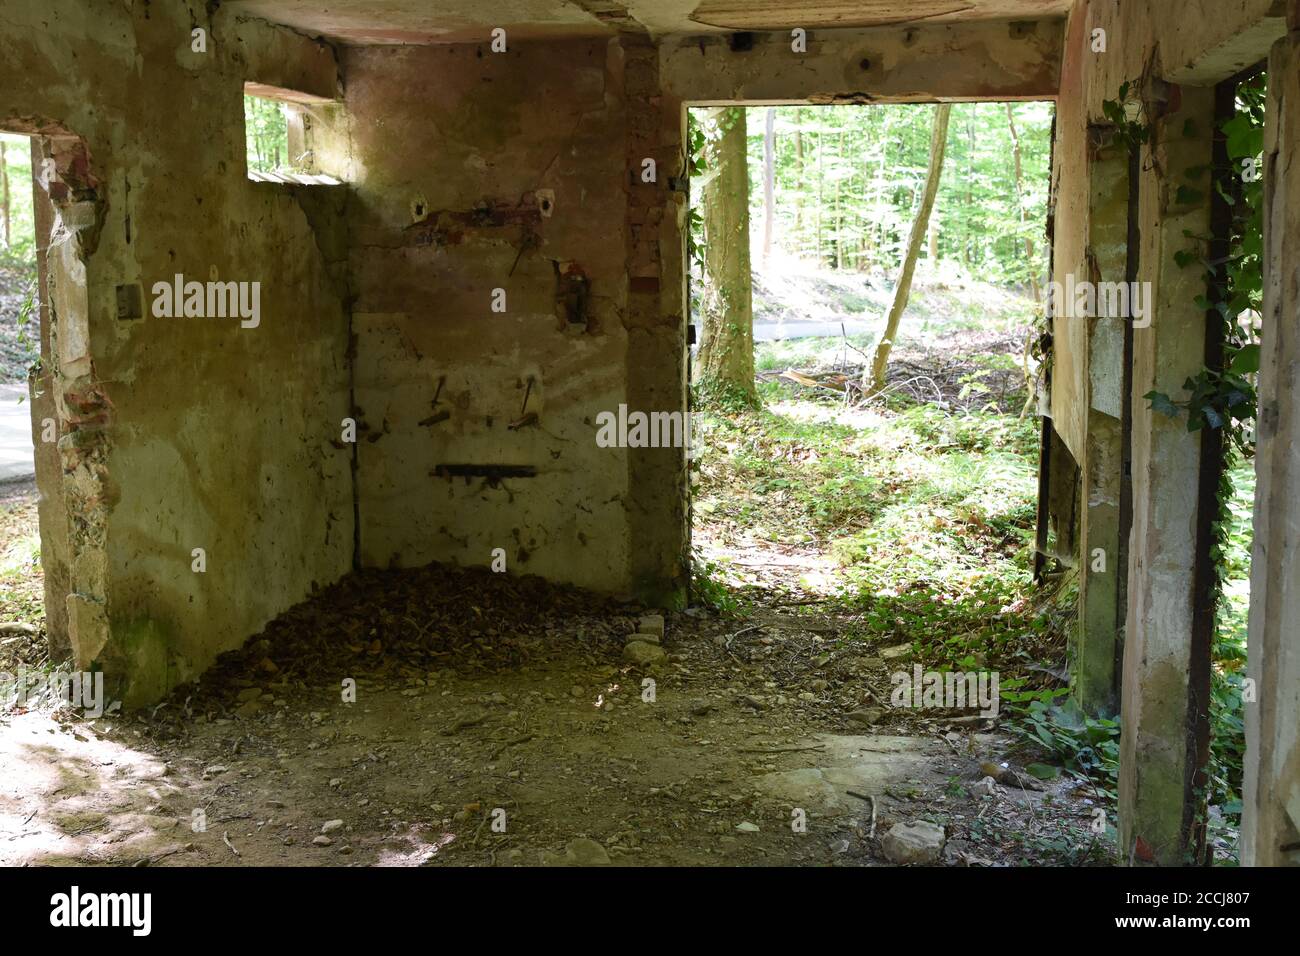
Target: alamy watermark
(624,429)
(208,300)
(74,908)
(946,690)
(32,688)
(1089,300)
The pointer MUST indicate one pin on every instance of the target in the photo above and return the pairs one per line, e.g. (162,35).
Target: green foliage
(924,505)
(1233,539)
(267,137)
(1087,746)
(21,251)
(1128,115)
(848,179)
(708,591)
(722,397)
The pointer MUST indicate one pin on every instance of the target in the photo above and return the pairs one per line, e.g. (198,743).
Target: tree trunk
(798,178)
(4,191)
(970,186)
(769,180)
(817,145)
(1020,202)
(839,204)
(938,141)
(726,359)
(879,234)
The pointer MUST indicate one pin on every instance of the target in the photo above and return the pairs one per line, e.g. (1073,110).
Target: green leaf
(1162,403)
(1245,361)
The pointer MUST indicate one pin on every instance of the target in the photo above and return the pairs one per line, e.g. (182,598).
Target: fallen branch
(871,835)
(510,743)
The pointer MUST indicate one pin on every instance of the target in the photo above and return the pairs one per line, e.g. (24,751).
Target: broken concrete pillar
(1162,703)
(51,506)
(1270,825)
(658,520)
(1097,648)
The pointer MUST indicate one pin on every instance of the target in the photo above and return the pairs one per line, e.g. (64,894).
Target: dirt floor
(497,722)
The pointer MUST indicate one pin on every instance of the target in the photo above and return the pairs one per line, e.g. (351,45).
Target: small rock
(919,842)
(252,693)
(248,709)
(747,827)
(576,691)
(322,841)
(641,636)
(584,852)
(331,825)
(899,650)
(643,653)
(651,624)
(214,770)
(866,716)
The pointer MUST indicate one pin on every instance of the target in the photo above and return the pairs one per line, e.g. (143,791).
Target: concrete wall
(479,171)
(177,434)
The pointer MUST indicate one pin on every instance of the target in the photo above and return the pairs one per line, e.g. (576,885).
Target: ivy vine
(1227,398)
(1127,114)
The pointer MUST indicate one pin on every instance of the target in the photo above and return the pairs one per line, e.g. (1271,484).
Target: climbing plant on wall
(1225,398)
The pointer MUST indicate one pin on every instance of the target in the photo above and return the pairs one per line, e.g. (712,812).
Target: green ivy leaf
(1162,403)
(1245,361)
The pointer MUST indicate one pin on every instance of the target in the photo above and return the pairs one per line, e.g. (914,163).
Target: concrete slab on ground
(865,764)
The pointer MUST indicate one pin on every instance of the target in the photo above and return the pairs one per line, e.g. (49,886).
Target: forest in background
(18,335)
(266,142)
(847,182)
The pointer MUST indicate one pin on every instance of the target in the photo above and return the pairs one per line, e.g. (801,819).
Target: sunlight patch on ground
(66,790)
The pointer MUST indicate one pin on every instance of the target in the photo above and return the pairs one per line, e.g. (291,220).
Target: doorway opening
(869,514)
(21,582)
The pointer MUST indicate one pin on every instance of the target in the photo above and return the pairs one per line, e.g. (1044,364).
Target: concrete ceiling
(443,21)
